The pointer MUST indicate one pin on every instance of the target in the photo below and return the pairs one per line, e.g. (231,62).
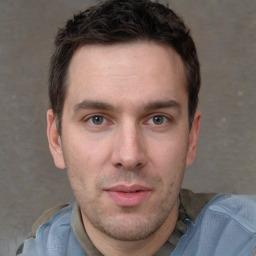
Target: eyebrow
(162,104)
(90,104)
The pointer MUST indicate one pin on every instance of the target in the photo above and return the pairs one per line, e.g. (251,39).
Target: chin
(130,228)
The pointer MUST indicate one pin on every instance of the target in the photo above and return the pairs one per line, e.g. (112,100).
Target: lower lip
(128,199)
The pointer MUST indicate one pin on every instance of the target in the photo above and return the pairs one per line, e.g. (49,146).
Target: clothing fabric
(198,232)
(227,226)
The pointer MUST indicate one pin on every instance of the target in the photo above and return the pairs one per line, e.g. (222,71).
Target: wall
(225,34)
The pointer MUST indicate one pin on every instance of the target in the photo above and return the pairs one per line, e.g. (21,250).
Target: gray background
(225,34)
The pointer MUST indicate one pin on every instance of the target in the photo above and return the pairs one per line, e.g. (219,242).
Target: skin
(125,123)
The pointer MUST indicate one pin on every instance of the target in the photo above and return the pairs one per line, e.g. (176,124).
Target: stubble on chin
(130,224)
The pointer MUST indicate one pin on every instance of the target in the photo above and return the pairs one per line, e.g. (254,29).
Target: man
(124,83)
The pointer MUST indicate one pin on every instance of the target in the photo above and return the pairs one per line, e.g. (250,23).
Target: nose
(129,148)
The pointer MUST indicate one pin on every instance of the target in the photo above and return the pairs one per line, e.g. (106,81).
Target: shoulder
(46,225)
(238,208)
(44,218)
(230,219)
(225,220)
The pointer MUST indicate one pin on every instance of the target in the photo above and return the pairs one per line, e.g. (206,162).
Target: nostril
(118,165)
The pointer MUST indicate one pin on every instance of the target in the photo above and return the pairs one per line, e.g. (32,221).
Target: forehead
(143,67)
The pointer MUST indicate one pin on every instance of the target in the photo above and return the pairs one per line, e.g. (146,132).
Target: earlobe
(54,140)
(193,138)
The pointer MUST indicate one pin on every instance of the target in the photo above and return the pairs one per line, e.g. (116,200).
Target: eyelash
(90,120)
(163,117)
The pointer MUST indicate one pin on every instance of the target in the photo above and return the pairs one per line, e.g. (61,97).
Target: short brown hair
(122,21)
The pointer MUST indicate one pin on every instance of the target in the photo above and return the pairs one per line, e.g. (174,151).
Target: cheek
(170,160)
(171,151)
(84,158)
(81,170)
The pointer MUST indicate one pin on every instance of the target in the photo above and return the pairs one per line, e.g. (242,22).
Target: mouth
(128,196)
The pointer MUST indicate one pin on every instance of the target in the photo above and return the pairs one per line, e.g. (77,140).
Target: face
(125,136)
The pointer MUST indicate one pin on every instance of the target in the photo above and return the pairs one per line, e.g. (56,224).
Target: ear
(54,140)
(193,138)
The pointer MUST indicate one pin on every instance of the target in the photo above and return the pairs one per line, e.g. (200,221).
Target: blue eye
(97,120)
(158,120)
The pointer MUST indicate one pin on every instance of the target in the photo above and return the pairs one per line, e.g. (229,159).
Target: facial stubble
(129,223)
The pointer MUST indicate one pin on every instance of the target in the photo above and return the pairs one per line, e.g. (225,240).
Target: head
(121,22)
(124,84)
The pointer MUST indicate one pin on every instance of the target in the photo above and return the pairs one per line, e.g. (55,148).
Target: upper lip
(128,188)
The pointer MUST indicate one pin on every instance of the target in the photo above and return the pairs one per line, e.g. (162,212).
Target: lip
(128,196)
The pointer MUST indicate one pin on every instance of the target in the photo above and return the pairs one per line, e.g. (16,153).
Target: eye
(158,120)
(97,120)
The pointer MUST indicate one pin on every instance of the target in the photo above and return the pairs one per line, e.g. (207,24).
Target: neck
(149,246)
